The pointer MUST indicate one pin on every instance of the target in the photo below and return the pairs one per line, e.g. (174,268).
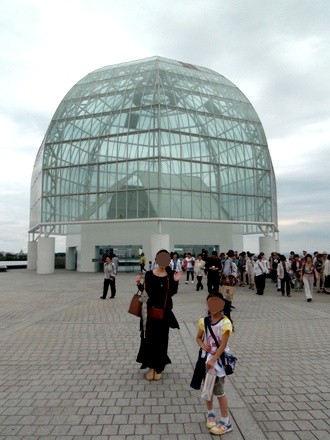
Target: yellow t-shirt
(226,325)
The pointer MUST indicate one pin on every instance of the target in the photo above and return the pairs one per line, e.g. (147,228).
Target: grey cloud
(308,236)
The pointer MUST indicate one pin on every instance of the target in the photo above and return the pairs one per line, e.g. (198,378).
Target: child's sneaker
(221,428)
(210,421)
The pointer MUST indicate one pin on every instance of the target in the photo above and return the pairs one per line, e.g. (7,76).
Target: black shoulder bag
(199,371)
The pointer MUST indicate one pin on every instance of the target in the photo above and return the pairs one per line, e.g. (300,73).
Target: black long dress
(154,344)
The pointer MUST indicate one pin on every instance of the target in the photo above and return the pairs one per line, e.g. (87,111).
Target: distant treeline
(13,257)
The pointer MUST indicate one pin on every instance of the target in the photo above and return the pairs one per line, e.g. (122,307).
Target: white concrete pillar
(70,259)
(267,245)
(158,242)
(46,255)
(32,255)
(278,247)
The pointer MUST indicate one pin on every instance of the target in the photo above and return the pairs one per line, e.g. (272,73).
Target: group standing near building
(306,272)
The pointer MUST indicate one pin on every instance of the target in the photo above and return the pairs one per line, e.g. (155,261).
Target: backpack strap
(207,321)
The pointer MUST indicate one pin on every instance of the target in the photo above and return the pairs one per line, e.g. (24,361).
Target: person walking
(213,269)
(308,273)
(250,269)
(175,263)
(199,271)
(160,284)
(188,264)
(326,274)
(260,272)
(142,262)
(296,266)
(222,329)
(318,264)
(284,276)
(230,273)
(242,268)
(110,272)
(273,264)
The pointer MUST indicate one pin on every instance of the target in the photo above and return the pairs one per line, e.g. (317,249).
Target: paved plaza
(68,370)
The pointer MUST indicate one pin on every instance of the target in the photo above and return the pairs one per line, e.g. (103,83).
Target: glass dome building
(148,153)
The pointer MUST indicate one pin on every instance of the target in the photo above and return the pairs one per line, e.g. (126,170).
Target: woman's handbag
(155,312)
(135,307)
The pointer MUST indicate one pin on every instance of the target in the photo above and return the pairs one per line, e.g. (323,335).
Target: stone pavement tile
(82,437)
(126,429)
(321,424)
(89,420)
(60,430)
(273,415)
(77,430)
(317,414)
(288,425)
(289,436)
(273,436)
(43,431)
(321,435)
(306,435)
(27,430)
(288,406)
(318,405)
(104,420)
(100,437)
(159,429)
(290,415)
(73,420)
(305,425)
(93,430)
(110,430)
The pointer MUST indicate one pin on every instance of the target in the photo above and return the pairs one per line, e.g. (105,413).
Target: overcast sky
(276,52)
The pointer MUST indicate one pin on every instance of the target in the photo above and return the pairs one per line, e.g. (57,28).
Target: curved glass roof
(154,138)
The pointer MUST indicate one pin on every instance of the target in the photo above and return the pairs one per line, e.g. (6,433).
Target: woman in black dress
(160,284)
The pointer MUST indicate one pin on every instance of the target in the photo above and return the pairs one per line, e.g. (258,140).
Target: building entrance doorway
(128,256)
(195,249)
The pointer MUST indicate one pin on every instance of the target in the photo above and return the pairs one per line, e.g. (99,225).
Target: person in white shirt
(260,272)
(175,263)
(110,272)
(326,274)
(188,264)
(199,271)
(283,274)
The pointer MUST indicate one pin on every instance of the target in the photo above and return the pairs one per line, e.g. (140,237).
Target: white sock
(210,413)
(225,420)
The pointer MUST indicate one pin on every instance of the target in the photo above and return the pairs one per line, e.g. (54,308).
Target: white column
(267,245)
(32,255)
(278,247)
(46,255)
(158,242)
(70,260)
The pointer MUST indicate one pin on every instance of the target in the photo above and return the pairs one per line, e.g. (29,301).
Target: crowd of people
(305,272)
(157,285)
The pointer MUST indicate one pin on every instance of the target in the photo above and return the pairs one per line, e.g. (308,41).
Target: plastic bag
(209,381)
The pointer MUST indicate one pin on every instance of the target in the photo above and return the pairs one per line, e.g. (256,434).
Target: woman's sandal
(150,374)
